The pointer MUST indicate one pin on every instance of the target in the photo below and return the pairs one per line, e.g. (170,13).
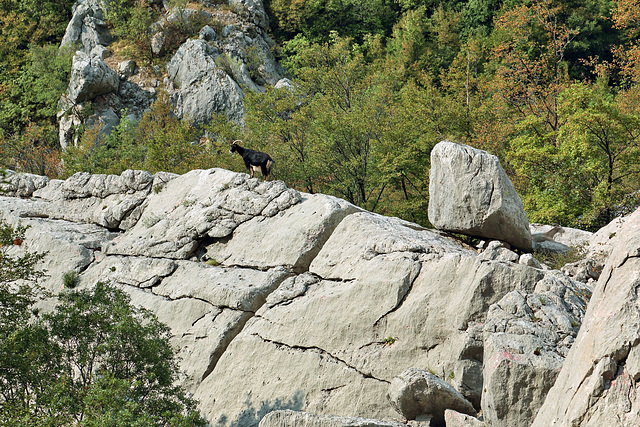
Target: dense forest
(550,87)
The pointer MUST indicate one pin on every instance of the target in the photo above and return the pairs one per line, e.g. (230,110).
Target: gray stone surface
(456,419)
(597,384)
(417,392)
(202,203)
(87,28)
(90,77)
(292,238)
(526,338)
(22,184)
(567,236)
(378,284)
(204,88)
(290,418)
(470,193)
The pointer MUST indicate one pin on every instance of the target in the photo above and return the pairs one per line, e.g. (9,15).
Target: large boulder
(417,392)
(526,338)
(597,385)
(470,193)
(90,77)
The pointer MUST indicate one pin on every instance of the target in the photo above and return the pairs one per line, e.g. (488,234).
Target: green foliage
(158,142)
(15,267)
(130,21)
(123,362)
(70,279)
(95,360)
(316,19)
(32,77)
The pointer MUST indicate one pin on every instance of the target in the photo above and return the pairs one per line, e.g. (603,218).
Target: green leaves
(95,360)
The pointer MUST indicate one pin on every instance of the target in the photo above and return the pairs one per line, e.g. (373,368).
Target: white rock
(470,193)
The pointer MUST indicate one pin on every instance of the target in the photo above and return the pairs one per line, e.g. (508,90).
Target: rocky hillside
(207,75)
(333,316)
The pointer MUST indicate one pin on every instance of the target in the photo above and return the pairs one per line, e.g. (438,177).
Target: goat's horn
(236,141)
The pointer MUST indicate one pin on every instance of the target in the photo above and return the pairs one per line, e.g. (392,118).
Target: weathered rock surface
(567,236)
(204,88)
(416,392)
(282,300)
(383,287)
(291,238)
(597,384)
(87,28)
(90,77)
(526,338)
(289,418)
(456,419)
(470,193)
(202,203)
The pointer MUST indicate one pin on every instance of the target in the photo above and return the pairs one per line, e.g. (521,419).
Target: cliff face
(283,300)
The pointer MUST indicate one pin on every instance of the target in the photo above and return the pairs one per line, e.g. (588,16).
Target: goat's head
(234,146)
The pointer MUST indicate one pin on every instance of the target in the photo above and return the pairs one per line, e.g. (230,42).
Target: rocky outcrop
(283,300)
(597,384)
(206,76)
(470,193)
(90,78)
(87,28)
(96,96)
(204,88)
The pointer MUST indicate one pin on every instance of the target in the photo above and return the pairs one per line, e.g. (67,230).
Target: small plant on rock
(389,340)
(70,279)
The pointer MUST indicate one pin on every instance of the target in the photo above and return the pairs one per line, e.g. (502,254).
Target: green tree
(110,348)
(95,360)
(602,136)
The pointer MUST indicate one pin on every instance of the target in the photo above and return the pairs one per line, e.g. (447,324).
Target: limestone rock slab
(290,238)
(290,418)
(201,203)
(376,301)
(470,193)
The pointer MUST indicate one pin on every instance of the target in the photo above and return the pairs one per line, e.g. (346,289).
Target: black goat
(253,160)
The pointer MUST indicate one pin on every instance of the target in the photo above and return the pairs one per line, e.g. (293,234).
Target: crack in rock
(322,352)
(402,299)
